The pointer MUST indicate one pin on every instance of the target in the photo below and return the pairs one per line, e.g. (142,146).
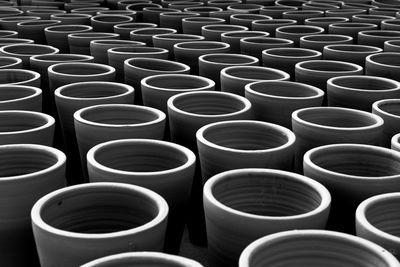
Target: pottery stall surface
(352,173)
(349,53)
(20,97)
(19,77)
(10,62)
(275,101)
(144,259)
(27,172)
(389,111)
(243,205)
(317,126)
(80,223)
(377,221)
(57,36)
(383,64)
(299,248)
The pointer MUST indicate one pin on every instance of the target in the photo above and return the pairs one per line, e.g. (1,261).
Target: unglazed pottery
(377,37)
(350,28)
(28,172)
(145,35)
(234,38)
(254,46)
(270,25)
(395,142)
(174,19)
(192,25)
(19,77)
(99,49)
(125,29)
(383,64)
(79,43)
(122,218)
(168,41)
(391,46)
(10,41)
(243,205)
(352,173)
(213,32)
(57,36)
(389,111)
(34,29)
(319,41)
(10,62)
(246,19)
(10,23)
(349,53)
(301,15)
(72,18)
(20,97)
(324,22)
(105,23)
(294,32)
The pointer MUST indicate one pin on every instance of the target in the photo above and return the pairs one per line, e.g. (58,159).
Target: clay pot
(224,14)
(342,169)
(189,52)
(386,11)
(247,19)
(182,5)
(34,29)
(350,28)
(245,8)
(193,25)
(319,41)
(285,59)
(8,34)
(129,13)
(204,11)
(10,62)
(390,24)
(301,15)
(360,92)
(391,46)
(345,12)
(175,166)
(213,32)
(44,14)
(269,250)
(383,65)
(244,144)
(275,101)
(324,22)
(174,19)
(68,220)
(10,41)
(395,142)
(349,53)
(8,12)
(317,126)
(20,97)
(152,14)
(210,65)
(91,10)
(74,96)
(294,32)
(254,46)
(389,111)
(72,18)
(373,19)
(234,38)
(124,30)
(10,23)
(79,43)
(146,35)
(105,23)
(77,5)
(168,41)
(57,36)
(276,11)
(377,38)
(19,77)
(121,5)
(25,51)
(31,171)
(99,48)
(244,205)
(145,259)
(270,25)
(223,3)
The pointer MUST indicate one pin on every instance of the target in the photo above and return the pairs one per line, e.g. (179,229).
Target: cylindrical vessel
(383,65)
(20,97)
(79,43)
(19,77)
(57,36)
(349,53)
(294,32)
(10,62)
(389,111)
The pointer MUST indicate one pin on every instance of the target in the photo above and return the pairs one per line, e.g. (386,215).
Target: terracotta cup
(294,32)
(10,62)
(79,43)
(20,97)
(389,111)
(383,65)
(57,36)
(19,77)
(254,46)
(125,29)
(349,53)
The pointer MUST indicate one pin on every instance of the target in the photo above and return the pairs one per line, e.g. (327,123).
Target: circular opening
(93,90)
(152,31)
(328,66)
(326,38)
(267,40)
(285,89)
(68,28)
(391,59)
(353,48)
(9,61)
(201,45)
(292,52)
(29,49)
(390,106)
(111,18)
(137,50)
(299,30)
(157,65)
(242,34)
(353,25)
(274,21)
(381,33)
(20,121)
(224,28)
(227,59)
(11,93)
(61,57)
(364,83)
(81,69)
(176,82)
(254,73)
(17,76)
(92,35)
(37,23)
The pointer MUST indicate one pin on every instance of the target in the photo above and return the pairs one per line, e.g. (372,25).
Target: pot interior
(11,76)
(29,49)
(365,83)
(20,121)
(78,69)
(387,59)
(93,90)
(329,66)
(13,93)
(157,65)
(382,214)
(228,59)
(256,73)
(391,107)
(177,82)
(284,89)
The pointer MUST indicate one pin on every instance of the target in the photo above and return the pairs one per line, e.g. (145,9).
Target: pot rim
(44,22)
(35,75)
(370,59)
(166,31)
(257,33)
(281,40)
(3,50)
(122,25)
(87,35)
(232,26)
(356,67)
(365,179)
(372,33)
(128,62)
(255,246)
(73,15)
(318,92)
(344,37)
(202,19)
(53,29)
(36,92)
(159,144)
(50,121)
(316,186)
(124,18)
(37,219)
(104,42)
(376,106)
(210,83)
(17,18)
(79,57)
(108,69)
(291,138)
(167,36)
(179,261)
(78,115)
(223,45)
(367,16)
(245,102)
(338,18)
(203,58)
(18,40)
(378,120)
(374,49)
(296,26)
(395,84)
(362,219)
(285,75)
(157,50)
(61,159)
(314,53)
(16,61)
(285,21)
(395,142)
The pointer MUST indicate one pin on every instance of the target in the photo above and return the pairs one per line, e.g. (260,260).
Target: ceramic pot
(128,13)
(34,29)
(68,220)
(244,205)
(91,10)
(138,68)
(341,168)
(7,12)
(125,29)
(152,14)
(19,77)
(247,19)
(222,3)
(210,65)
(138,8)
(113,122)
(25,51)
(121,5)
(10,23)
(72,18)
(294,3)
(395,142)
(79,43)
(145,259)
(377,38)
(145,35)
(391,46)
(276,11)
(269,250)
(10,62)
(345,12)
(320,6)
(77,5)
(213,32)
(182,5)
(224,14)
(8,34)
(275,101)
(245,8)
(376,221)
(193,25)
(20,97)
(254,46)
(234,38)
(390,25)
(301,15)
(99,48)
(105,23)
(324,22)
(319,41)
(204,11)
(157,89)
(285,59)
(11,41)
(350,28)
(189,52)
(57,36)
(168,41)
(317,126)
(31,171)
(234,78)
(383,65)
(389,111)
(270,25)
(75,96)
(175,166)
(373,19)
(349,53)
(294,32)
(174,19)
(360,92)
(44,14)
(244,144)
